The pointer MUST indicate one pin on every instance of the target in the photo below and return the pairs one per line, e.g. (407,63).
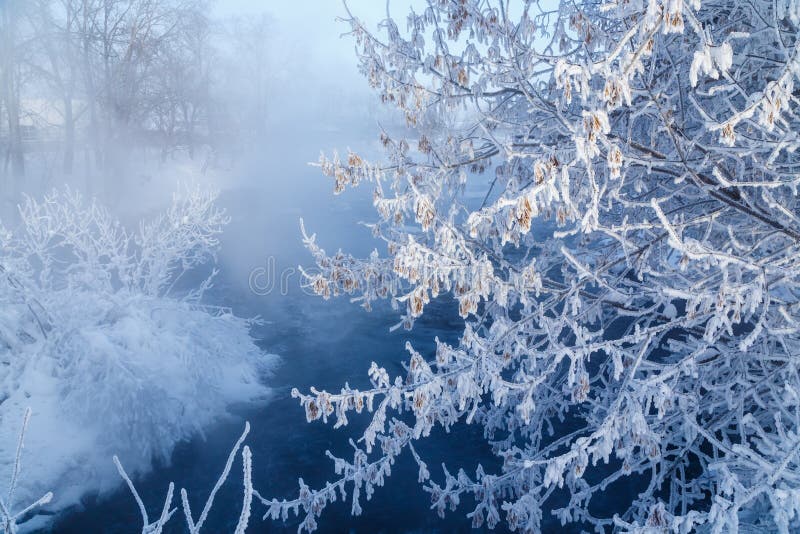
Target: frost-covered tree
(100,336)
(614,214)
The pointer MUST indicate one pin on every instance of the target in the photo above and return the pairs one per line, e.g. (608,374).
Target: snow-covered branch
(633,265)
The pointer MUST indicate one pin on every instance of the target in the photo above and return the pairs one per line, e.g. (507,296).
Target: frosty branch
(632,266)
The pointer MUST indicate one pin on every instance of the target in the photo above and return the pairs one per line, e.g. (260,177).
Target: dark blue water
(320,343)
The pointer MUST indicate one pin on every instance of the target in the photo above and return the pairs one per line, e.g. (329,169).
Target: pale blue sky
(314,69)
(310,28)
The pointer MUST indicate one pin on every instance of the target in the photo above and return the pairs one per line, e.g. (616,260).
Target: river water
(320,343)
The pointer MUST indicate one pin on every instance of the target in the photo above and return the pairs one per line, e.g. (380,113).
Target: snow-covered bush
(96,338)
(615,217)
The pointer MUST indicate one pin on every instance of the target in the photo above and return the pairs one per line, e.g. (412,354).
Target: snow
(108,368)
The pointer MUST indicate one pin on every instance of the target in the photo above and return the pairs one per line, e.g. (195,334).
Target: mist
(124,100)
(126,103)
(238,96)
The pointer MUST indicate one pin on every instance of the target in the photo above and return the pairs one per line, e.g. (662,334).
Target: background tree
(10,41)
(90,82)
(183,79)
(57,35)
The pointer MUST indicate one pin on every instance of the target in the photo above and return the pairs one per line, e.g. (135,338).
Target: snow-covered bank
(111,359)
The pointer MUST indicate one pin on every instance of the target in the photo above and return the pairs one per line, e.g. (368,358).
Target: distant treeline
(85,83)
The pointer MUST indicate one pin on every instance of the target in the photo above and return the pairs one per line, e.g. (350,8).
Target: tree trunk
(69,136)
(10,94)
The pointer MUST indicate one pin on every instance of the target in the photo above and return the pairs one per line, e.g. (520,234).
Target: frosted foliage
(612,209)
(109,355)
